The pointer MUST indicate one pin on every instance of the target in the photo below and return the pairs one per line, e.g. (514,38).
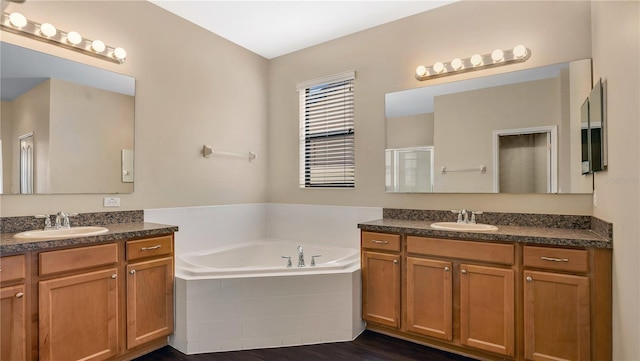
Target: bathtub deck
(368,346)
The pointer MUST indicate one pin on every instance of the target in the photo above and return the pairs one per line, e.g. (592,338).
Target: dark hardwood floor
(369,346)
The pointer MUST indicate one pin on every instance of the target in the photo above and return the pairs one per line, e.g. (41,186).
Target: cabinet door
(381,288)
(78,316)
(556,316)
(487,308)
(429,298)
(149,301)
(13,323)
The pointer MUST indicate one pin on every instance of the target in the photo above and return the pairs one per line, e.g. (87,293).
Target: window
(327,137)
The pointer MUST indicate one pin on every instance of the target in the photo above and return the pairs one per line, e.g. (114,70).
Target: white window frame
(327,132)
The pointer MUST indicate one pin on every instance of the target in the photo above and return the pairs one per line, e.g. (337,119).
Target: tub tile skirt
(215,315)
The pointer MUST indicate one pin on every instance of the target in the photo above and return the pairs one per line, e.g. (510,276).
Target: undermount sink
(464,227)
(62,233)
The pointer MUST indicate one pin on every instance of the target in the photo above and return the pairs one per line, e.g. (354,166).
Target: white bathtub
(245,297)
(265,259)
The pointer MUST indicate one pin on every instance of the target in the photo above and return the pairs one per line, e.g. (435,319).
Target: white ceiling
(274,28)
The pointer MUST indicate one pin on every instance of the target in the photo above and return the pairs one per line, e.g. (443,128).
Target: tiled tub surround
(557,230)
(234,313)
(260,312)
(121,225)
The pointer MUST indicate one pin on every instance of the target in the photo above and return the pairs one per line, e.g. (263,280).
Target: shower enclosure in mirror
(594,131)
(517,132)
(65,127)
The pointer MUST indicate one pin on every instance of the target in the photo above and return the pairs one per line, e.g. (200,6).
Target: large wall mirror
(515,132)
(65,127)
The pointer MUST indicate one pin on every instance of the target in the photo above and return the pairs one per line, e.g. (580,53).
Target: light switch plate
(111,202)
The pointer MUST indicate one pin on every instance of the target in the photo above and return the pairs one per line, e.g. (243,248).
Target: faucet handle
(473,216)
(288,261)
(65,219)
(313,260)
(47,220)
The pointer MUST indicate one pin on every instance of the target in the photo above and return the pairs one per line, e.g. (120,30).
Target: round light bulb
(17,20)
(438,67)
(456,64)
(98,46)
(519,51)
(421,70)
(476,60)
(119,53)
(497,55)
(48,30)
(74,38)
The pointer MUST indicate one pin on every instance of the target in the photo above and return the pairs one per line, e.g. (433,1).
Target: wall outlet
(111,202)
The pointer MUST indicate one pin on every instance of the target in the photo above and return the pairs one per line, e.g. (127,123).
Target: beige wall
(385,58)
(616,50)
(88,128)
(465,133)
(193,88)
(7,145)
(30,113)
(409,131)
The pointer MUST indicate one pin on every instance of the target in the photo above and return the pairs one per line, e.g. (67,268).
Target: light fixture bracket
(486,61)
(32,30)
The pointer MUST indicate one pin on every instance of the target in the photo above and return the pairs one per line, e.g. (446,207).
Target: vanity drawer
(472,250)
(78,258)
(381,241)
(12,268)
(149,247)
(574,260)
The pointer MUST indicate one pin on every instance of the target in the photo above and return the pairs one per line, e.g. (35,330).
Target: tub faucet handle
(313,260)
(47,220)
(300,257)
(288,261)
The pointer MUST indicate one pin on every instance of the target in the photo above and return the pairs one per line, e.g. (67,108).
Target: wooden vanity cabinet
(567,303)
(491,300)
(78,303)
(487,314)
(381,267)
(485,292)
(429,299)
(13,308)
(149,290)
(107,301)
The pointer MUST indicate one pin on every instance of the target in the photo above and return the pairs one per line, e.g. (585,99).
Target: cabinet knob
(19,295)
(132,272)
(529,279)
(395,261)
(446,269)
(464,271)
(113,276)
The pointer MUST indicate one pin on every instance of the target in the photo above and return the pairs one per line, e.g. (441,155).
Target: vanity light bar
(497,57)
(19,24)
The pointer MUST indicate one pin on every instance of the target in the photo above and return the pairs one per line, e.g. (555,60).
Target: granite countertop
(534,235)
(117,231)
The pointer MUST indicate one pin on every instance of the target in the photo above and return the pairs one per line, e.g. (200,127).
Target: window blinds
(327,137)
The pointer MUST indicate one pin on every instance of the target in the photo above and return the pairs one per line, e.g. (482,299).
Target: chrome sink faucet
(463,216)
(62,220)
(300,257)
